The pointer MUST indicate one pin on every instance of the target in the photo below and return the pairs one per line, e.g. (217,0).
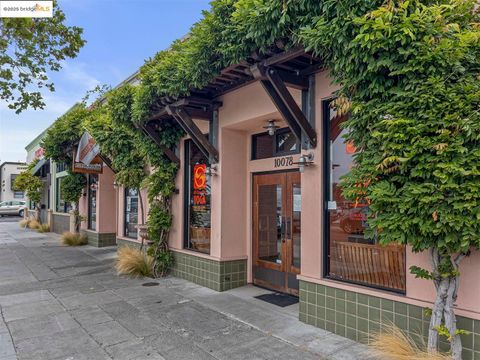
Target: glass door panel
(92,201)
(276,234)
(270,198)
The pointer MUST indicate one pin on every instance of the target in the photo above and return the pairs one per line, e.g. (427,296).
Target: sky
(121,35)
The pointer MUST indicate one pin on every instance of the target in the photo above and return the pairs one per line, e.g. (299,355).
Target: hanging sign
(87,150)
(95,166)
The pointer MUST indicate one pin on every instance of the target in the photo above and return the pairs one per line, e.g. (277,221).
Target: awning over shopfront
(39,166)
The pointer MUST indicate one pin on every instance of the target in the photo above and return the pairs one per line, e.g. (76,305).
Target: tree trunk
(76,216)
(37,215)
(437,309)
(443,308)
(449,312)
(437,315)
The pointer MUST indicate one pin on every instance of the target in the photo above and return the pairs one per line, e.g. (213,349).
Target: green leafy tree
(32,186)
(72,187)
(411,71)
(29,49)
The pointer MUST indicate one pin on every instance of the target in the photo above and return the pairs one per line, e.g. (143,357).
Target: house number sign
(283,161)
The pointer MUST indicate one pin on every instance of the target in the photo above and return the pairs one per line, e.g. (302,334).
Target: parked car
(352,221)
(12,208)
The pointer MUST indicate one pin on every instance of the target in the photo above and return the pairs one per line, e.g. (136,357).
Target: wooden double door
(277,205)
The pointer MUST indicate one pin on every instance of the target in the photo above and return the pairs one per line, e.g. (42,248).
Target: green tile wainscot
(100,239)
(216,275)
(355,316)
(132,243)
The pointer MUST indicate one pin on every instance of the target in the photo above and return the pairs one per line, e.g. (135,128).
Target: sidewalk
(67,303)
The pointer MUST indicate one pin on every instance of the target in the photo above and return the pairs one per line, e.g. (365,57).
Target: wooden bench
(382,266)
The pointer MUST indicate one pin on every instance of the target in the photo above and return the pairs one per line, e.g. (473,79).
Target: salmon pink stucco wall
(106,209)
(245,112)
(106,203)
(418,291)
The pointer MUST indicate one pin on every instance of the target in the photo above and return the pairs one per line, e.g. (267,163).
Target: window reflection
(131,212)
(352,257)
(270,223)
(199,197)
(92,201)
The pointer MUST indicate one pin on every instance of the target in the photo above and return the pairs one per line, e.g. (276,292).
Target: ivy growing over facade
(136,160)
(410,71)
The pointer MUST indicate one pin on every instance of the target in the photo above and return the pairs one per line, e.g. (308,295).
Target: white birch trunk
(443,308)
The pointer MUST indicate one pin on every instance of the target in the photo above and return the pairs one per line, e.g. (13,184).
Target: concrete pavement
(65,303)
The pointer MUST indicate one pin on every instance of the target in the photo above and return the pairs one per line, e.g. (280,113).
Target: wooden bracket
(284,102)
(149,130)
(186,122)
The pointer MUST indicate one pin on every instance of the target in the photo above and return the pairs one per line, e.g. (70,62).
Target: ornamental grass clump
(134,263)
(43,228)
(33,224)
(393,344)
(74,239)
(24,223)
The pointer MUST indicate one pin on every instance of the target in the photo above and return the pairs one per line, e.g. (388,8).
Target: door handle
(289,228)
(282,227)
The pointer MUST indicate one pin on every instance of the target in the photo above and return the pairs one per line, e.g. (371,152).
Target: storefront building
(43,170)
(97,204)
(8,172)
(259,202)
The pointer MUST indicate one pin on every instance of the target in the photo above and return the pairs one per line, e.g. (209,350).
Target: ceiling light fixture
(271,127)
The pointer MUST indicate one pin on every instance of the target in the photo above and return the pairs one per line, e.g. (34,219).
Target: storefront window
(198,200)
(131,213)
(18,194)
(351,256)
(283,142)
(61,205)
(92,201)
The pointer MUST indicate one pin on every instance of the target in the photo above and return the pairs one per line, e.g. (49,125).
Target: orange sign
(350,147)
(199,177)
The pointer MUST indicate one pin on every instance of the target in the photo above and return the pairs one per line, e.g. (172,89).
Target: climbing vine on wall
(410,70)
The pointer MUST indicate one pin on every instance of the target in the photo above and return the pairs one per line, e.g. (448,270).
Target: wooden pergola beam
(284,56)
(282,109)
(284,102)
(152,134)
(197,113)
(289,102)
(186,122)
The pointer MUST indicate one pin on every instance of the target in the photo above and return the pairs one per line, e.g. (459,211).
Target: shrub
(74,239)
(133,262)
(393,344)
(33,224)
(43,228)
(24,223)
